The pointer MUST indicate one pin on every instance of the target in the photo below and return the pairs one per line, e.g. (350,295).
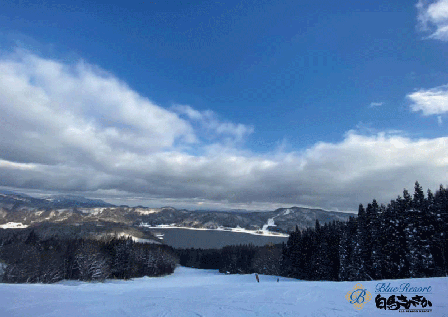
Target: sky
(224,105)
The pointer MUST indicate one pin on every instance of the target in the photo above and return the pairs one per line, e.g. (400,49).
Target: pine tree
(377,241)
(419,234)
(419,202)
(347,269)
(362,248)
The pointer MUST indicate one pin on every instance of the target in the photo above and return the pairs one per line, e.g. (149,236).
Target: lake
(211,239)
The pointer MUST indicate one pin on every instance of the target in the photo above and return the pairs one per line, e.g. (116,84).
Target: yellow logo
(358,296)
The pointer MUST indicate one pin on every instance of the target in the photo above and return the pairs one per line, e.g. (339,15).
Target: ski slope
(191,292)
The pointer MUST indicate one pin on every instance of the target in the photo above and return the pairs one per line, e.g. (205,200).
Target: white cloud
(192,113)
(439,121)
(209,120)
(430,101)
(57,113)
(375,104)
(16,166)
(433,18)
(76,128)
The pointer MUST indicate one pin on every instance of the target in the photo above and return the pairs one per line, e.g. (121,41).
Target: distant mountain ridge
(67,201)
(13,200)
(68,209)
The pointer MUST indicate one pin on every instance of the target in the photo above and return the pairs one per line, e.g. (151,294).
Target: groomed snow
(191,292)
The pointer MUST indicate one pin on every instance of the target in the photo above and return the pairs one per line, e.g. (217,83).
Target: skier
(256,276)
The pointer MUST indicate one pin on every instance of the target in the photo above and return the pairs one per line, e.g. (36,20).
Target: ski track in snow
(271,222)
(192,292)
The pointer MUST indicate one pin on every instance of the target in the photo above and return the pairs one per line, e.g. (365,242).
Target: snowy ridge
(237,229)
(146,211)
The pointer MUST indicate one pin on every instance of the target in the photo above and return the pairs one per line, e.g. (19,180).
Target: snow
(92,211)
(147,211)
(135,239)
(13,225)
(269,224)
(237,229)
(192,292)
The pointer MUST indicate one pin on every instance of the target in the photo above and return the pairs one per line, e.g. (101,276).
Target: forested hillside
(47,261)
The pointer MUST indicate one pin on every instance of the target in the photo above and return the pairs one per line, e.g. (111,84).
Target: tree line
(405,239)
(235,259)
(35,260)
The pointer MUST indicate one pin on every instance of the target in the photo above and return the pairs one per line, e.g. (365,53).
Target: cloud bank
(77,128)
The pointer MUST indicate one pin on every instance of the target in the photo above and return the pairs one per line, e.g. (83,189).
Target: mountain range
(19,210)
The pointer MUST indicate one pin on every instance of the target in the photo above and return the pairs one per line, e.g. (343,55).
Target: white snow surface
(192,292)
(269,224)
(263,232)
(134,238)
(13,225)
(145,211)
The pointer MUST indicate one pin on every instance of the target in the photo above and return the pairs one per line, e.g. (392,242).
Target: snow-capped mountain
(29,211)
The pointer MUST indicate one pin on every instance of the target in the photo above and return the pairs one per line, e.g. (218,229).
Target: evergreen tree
(378,239)
(362,251)
(347,268)
(419,201)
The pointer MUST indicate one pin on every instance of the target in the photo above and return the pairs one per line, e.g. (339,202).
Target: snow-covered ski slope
(191,292)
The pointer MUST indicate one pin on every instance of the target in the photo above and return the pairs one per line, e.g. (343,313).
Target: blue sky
(293,98)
